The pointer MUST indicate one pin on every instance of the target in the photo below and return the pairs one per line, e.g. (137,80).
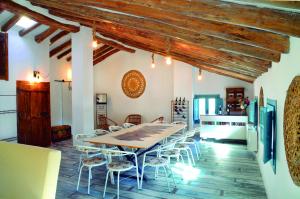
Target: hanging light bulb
(168,57)
(168,60)
(152,64)
(95,42)
(200,74)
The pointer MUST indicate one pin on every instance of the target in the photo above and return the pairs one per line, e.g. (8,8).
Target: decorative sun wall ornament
(292,129)
(133,84)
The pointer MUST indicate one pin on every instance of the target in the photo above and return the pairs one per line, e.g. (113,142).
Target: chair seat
(156,161)
(120,165)
(190,139)
(170,153)
(93,161)
(87,150)
(181,145)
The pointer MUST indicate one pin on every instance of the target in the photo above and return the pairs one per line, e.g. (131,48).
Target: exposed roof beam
(166,29)
(69,58)
(60,48)
(22,10)
(58,36)
(24,32)
(101,51)
(43,35)
(233,13)
(64,53)
(104,56)
(10,23)
(201,26)
(115,45)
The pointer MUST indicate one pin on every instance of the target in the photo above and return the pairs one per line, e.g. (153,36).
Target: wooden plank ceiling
(227,38)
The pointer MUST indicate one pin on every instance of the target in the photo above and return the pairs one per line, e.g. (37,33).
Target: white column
(82,81)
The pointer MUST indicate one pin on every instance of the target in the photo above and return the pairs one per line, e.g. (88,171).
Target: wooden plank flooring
(226,171)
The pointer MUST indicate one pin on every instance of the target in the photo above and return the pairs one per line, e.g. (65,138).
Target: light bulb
(95,44)
(199,77)
(168,60)
(153,65)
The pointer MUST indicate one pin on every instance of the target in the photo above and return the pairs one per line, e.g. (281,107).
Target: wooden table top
(139,136)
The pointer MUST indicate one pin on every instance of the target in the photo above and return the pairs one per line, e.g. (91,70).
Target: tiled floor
(223,171)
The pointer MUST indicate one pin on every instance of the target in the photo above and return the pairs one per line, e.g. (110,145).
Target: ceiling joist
(60,48)
(24,32)
(10,23)
(115,44)
(58,36)
(64,53)
(106,55)
(43,35)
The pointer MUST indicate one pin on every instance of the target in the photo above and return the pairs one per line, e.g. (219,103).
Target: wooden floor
(223,171)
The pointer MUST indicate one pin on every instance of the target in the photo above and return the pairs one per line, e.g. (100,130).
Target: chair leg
(172,175)
(188,156)
(142,176)
(105,183)
(196,150)
(181,157)
(79,177)
(192,156)
(80,159)
(118,185)
(137,176)
(166,174)
(89,182)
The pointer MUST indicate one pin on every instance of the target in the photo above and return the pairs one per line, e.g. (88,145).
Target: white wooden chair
(117,163)
(90,162)
(158,161)
(113,128)
(128,125)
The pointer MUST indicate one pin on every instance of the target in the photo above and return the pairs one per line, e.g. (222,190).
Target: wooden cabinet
(34,118)
(233,97)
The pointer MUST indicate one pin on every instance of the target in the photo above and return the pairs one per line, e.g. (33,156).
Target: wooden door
(33,106)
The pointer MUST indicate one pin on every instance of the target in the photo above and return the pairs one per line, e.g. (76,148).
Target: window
(206,105)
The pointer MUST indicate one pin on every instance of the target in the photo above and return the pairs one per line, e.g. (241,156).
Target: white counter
(224,127)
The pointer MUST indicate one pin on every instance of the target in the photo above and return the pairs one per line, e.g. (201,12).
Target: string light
(152,64)
(95,42)
(168,57)
(200,74)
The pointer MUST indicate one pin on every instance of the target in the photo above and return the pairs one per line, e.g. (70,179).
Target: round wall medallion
(292,129)
(133,84)
(261,97)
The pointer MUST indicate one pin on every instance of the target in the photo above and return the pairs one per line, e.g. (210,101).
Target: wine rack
(180,110)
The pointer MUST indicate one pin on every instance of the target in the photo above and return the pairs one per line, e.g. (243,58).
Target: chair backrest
(114,128)
(100,132)
(158,120)
(79,138)
(104,122)
(128,125)
(133,119)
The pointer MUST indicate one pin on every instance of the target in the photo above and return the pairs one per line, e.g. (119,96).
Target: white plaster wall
(212,83)
(25,55)
(275,84)
(61,95)
(158,94)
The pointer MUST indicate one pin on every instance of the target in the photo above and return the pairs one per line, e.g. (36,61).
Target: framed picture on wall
(3,56)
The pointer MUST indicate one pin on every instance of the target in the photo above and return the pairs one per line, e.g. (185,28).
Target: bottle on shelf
(179,103)
(180,110)
(183,101)
(176,101)
(183,116)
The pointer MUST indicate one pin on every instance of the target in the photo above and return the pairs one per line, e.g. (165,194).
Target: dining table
(141,138)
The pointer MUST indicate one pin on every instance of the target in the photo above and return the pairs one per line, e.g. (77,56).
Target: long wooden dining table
(142,138)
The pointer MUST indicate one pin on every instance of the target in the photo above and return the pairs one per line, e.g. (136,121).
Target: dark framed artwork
(3,56)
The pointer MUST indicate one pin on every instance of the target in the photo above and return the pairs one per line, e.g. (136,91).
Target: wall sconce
(200,74)
(152,64)
(35,77)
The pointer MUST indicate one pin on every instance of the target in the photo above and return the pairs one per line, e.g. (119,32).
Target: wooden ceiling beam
(69,58)
(10,23)
(60,48)
(58,36)
(115,45)
(104,56)
(180,57)
(24,32)
(233,13)
(119,29)
(232,32)
(43,35)
(64,53)
(22,10)
(168,30)
(102,50)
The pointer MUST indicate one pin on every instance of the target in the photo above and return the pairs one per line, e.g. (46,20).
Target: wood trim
(60,48)
(5,53)
(64,53)
(24,32)
(99,52)
(58,36)
(115,45)
(22,10)
(103,57)
(43,35)
(10,23)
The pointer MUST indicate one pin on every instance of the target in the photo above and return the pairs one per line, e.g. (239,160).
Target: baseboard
(12,139)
